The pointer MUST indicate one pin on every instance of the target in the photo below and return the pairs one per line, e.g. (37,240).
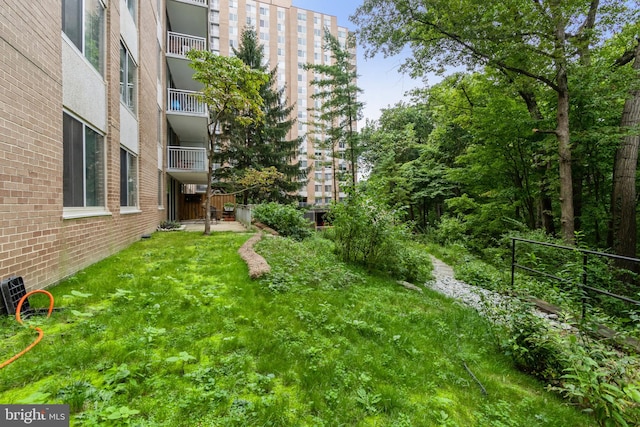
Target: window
(83,165)
(131,5)
(128,79)
(83,24)
(264,11)
(128,178)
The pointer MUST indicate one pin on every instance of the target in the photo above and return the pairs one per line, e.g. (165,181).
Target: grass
(171,331)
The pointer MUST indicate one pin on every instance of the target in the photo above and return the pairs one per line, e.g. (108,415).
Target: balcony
(187,164)
(188,116)
(178,44)
(188,16)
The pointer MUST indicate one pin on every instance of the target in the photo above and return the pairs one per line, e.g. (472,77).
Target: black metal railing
(583,284)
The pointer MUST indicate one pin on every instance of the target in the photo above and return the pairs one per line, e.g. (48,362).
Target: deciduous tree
(229,85)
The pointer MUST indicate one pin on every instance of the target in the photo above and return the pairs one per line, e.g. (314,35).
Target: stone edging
(258,266)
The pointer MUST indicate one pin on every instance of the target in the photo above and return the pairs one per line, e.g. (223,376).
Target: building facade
(81,133)
(292,38)
(102,135)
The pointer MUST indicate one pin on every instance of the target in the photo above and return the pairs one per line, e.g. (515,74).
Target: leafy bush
(602,381)
(169,225)
(368,234)
(287,220)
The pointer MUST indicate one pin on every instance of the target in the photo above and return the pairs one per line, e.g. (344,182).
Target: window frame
(129,187)
(77,165)
(78,22)
(128,98)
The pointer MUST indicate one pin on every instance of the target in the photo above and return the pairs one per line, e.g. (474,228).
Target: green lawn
(171,331)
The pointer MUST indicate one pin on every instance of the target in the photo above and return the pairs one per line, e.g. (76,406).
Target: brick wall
(35,241)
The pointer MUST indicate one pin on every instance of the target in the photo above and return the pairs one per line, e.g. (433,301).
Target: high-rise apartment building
(292,37)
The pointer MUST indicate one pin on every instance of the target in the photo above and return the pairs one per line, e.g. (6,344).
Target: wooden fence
(192,205)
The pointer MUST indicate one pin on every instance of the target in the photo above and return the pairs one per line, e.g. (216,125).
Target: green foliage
(338,347)
(366,233)
(169,225)
(601,380)
(340,109)
(287,220)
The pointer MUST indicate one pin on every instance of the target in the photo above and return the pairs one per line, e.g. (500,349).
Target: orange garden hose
(38,330)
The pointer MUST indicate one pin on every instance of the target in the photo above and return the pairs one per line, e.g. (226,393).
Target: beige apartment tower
(292,37)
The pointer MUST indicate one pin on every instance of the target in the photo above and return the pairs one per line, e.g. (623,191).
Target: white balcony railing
(196,2)
(187,159)
(179,44)
(185,101)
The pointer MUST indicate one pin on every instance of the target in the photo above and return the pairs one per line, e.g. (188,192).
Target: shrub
(602,381)
(169,225)
(368,234)
(287,220)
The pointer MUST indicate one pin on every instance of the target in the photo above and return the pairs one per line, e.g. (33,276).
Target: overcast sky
(379,78)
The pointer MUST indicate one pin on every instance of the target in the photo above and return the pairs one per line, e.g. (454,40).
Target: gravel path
(479,298)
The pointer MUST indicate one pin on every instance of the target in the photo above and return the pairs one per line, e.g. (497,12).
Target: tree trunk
(545,205)
(623,200)
(210,162)
(564,151)
(562,127)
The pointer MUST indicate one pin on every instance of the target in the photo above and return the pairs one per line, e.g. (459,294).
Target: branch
(627,56)
(549,131)
(492,61)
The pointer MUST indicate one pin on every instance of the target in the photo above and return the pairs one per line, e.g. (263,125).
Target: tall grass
(172,332)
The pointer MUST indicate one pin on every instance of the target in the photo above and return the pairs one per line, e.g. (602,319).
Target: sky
(379,78)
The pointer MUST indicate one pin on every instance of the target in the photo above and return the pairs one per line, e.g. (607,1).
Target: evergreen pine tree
(262,145)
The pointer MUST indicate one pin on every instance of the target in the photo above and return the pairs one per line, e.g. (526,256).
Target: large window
(128,179)
(83,165)
(131,5)
(83,24)
(128,79)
